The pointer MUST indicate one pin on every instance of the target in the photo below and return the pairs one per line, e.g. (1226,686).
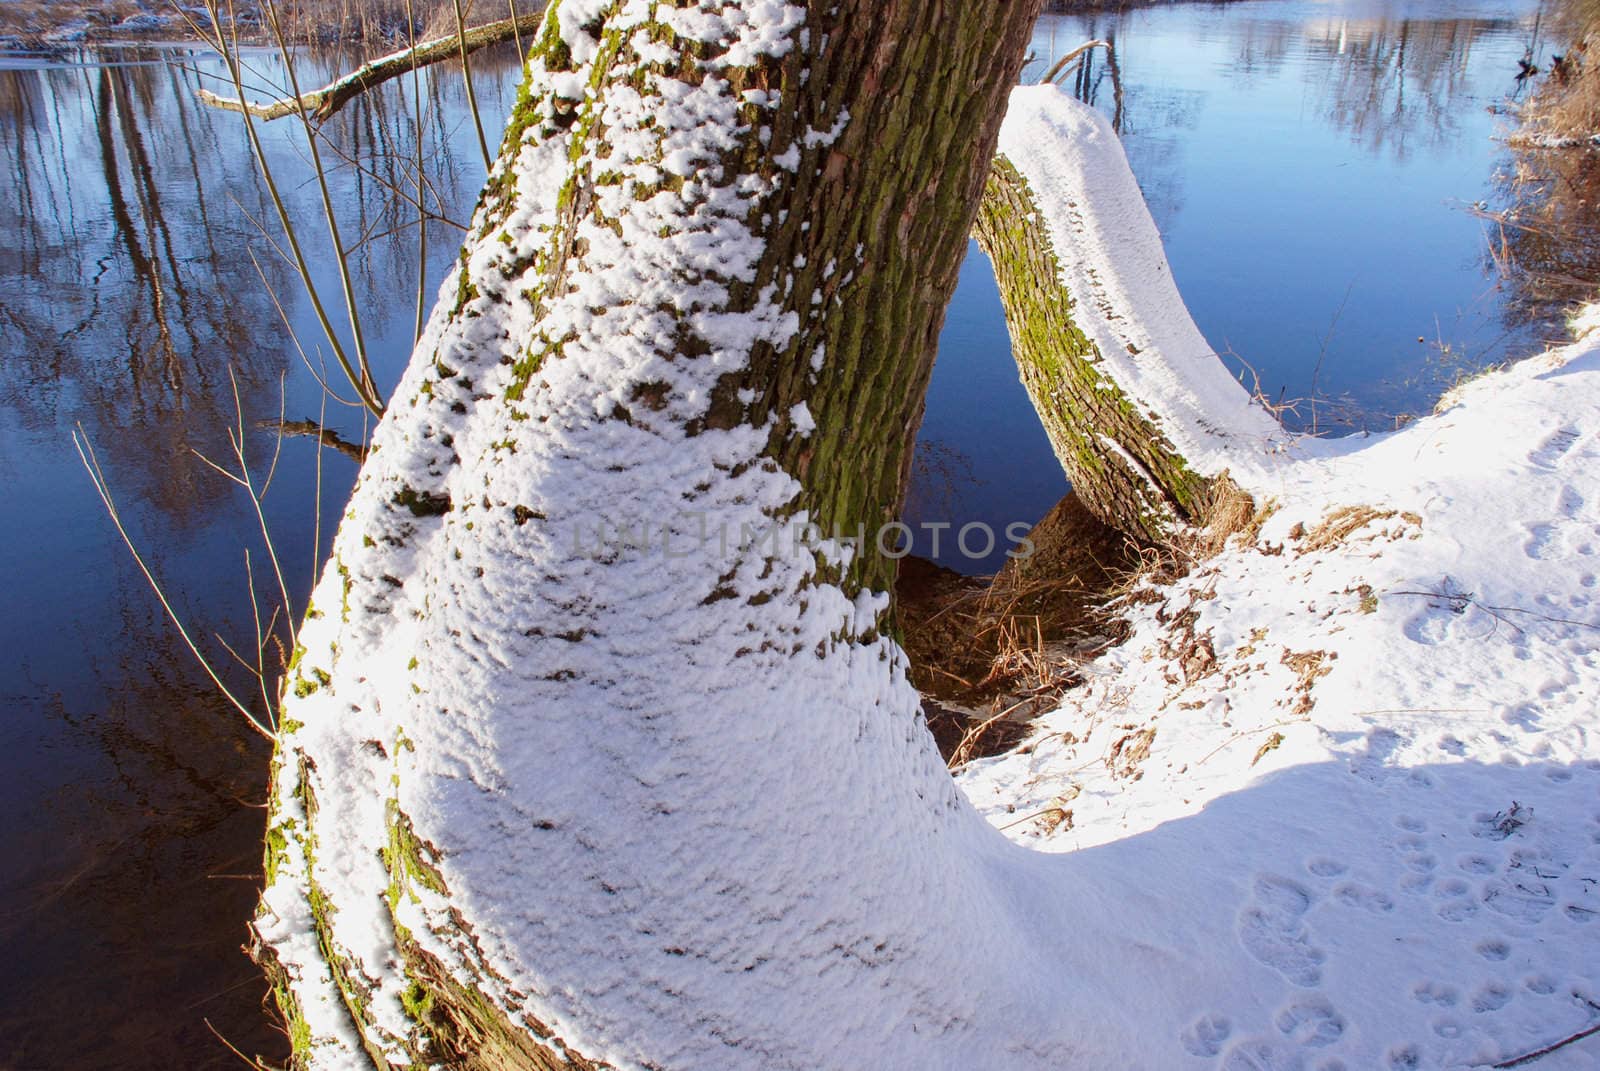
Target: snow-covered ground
(55,24)
(1335,805)
(1362,753)
(1370,771)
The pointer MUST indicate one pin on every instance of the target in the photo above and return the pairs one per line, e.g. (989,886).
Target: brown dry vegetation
(1544,236)
(1342,523)
(988,655)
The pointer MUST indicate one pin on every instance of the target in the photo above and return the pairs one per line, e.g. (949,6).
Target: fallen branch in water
(321,103)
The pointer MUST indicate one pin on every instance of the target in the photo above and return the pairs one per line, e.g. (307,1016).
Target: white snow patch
(800,416)
(1378,792)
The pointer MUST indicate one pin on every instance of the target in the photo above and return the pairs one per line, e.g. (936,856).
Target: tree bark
(1119,460)
(519,818)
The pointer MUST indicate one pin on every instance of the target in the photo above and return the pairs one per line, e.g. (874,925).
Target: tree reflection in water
(1399,84)
(135,287)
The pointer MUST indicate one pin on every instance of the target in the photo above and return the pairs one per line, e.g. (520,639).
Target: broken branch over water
(320,104)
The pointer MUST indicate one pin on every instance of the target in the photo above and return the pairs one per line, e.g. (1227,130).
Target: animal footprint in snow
(1416,884)
(1428,627)
(1404,1058)
(1326,868)
(1204,1036)
(1262,1055)
(1570,502)
(1550,452)
(1272,930)
(1494,949)
(1541,984)
(1476,864)
(1525,716)
(1437,993)
(1352,895)
(1540,537)
(1312,1022)
(1491,997)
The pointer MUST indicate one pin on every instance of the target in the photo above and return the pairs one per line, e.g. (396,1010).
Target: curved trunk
(1142,415)
(592,742)
(594,752)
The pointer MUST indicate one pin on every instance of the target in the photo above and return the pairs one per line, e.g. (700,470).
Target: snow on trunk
(594,747)
(1141,412)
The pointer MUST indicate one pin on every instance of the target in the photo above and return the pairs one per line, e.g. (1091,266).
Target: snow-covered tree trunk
(594,742)
(1096,321)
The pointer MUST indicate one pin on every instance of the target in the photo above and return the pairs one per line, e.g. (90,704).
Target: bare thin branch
(91,464)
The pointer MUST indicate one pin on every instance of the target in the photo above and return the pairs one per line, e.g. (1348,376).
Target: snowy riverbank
(1366,747)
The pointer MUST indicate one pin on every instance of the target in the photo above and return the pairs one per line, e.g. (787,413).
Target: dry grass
(1309,667)
(1342,523)
(1543,235)
(1232,512)
(1232,515)
(1545,240)
(1568,103)
(1574,81)
(1339,525)
(989,655)
(1128,753)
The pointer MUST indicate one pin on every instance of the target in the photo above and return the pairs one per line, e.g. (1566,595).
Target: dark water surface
(1300,159)
(128,292)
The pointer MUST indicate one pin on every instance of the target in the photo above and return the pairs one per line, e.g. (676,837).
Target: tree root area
(989,654)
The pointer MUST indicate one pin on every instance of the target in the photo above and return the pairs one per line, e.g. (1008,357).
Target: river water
(1311,167)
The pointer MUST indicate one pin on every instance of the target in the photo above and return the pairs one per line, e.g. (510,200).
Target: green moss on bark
(1121,464)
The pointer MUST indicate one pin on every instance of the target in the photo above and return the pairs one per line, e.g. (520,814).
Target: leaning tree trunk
(1143,416)
(594,750)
